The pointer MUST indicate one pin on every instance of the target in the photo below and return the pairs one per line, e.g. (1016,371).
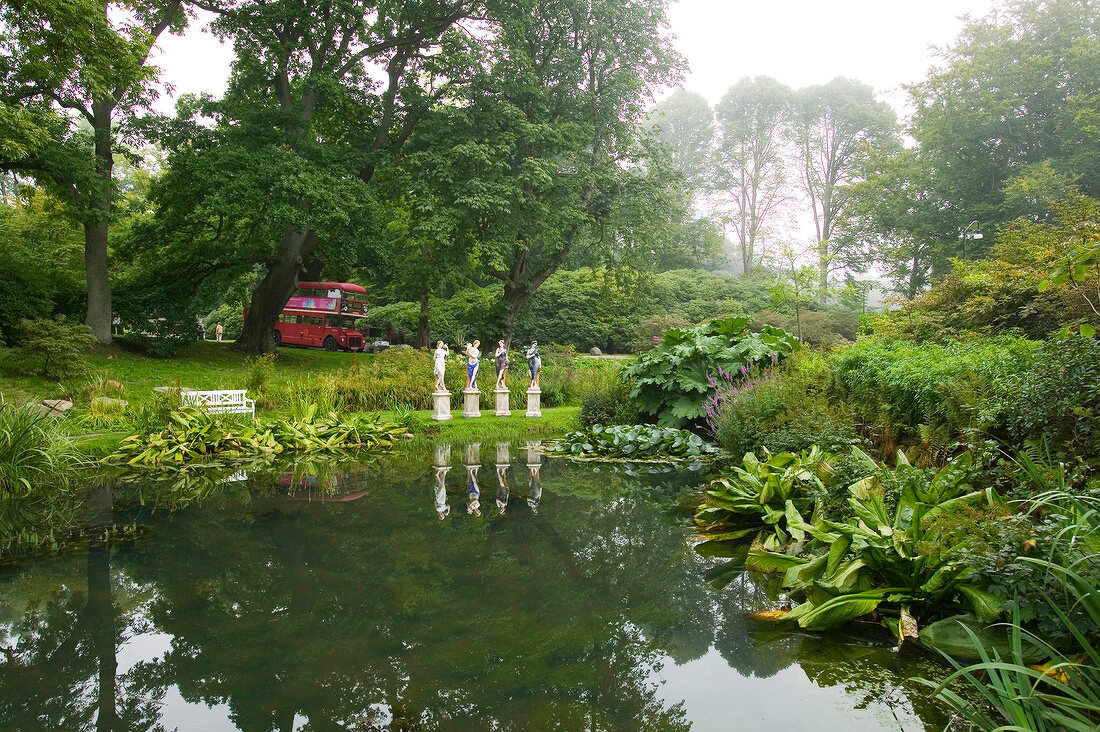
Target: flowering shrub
(744,405)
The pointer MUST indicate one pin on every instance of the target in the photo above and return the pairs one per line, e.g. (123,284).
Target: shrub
(744,407)
(607,400)
(652,328)
(52,348)
(1058,399)
(162,336)
(230,315)
(894,387)
(671,381)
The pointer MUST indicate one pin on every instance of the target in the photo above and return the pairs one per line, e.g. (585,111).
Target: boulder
(593,351)
(171,389)
(54,407)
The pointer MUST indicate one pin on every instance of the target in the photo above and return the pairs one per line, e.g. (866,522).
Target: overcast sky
(883,43)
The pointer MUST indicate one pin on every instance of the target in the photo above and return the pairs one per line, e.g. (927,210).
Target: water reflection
(259,611)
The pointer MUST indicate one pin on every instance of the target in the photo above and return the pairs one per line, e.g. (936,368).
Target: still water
(476,587)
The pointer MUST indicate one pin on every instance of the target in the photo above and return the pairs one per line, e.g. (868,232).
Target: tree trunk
(101,610)
(270,296)
(823,272)
(99,317)
(423,326)
(515,297)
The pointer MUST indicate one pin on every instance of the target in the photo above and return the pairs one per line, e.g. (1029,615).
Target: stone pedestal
(534,402)
(502,395)
(472,405)
(441,405)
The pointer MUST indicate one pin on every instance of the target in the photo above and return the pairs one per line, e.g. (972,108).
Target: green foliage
(896,386)
(192,435)
(52,348)
(634,442)
(1057,401)
(607,400)
(35,455)
(763,501)
(260,372)
(905,555)
(673,379)
(744,407)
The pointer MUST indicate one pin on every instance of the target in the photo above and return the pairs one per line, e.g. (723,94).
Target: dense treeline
(482,172)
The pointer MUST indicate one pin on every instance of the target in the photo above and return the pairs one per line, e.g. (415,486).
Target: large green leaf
(987,606)
(836,610)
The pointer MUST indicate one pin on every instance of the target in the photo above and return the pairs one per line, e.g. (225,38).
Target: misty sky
(799,42)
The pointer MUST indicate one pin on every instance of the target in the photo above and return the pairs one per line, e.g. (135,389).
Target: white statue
(473,356)
(440,365)
(502,364)
(534,363)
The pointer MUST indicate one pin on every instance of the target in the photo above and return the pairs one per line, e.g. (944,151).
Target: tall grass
(33,452)
(1063,694)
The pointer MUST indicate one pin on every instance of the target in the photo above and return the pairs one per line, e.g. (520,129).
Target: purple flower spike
(744,369)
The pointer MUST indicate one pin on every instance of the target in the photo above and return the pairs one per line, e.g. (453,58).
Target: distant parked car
(376,346)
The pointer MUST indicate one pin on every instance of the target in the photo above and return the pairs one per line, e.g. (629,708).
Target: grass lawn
(210,365)
(205,365)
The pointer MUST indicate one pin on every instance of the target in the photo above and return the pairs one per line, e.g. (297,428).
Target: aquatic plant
(634,442)
(1064,692)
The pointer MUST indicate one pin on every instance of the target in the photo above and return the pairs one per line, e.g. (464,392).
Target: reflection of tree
(62,672)
(374,611)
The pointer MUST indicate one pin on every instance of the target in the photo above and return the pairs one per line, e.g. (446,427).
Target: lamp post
(976,235)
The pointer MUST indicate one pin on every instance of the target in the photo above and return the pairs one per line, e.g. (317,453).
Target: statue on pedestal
(440,365)
(473,356)
(534,364)
(502,363)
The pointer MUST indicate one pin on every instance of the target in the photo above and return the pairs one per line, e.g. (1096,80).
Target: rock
(54,407)
(409,436)
(110,404)
(171,389)
(593,351)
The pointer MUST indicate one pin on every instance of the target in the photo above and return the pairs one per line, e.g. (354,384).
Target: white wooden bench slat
(225,401)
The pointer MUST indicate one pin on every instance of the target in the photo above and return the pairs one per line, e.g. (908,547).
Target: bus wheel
(330,343)
(278,338)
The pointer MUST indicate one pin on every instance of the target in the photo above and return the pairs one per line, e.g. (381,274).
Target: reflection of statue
(473,356)
(441,507)
(534,464)
(440,365)
(502,363)
(534,363)
(534,490)
(473,493)
(502,488)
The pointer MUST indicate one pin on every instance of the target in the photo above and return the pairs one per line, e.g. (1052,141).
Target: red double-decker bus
(323,314)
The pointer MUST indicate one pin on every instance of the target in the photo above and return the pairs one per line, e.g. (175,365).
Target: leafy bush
(1058,399)
(753,502)
(673,379)
(260,371)
(743,407)
(160,336)
(230,315)
(819,327)
(652,328)
(896,386)
(607,400)
(634,442)
(52,348)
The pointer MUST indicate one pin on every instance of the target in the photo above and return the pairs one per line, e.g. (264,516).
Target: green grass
(213,365)
(554,421)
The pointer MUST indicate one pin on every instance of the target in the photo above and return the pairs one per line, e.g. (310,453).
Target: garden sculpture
(440,365)
(473,356)
(502,363)
(534,363)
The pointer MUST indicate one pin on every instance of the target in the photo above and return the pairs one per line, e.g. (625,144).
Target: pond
(478,587)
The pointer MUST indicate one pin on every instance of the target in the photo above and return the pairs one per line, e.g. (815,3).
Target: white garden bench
(232,401)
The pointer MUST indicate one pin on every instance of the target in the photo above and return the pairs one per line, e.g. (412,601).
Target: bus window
(333,293)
